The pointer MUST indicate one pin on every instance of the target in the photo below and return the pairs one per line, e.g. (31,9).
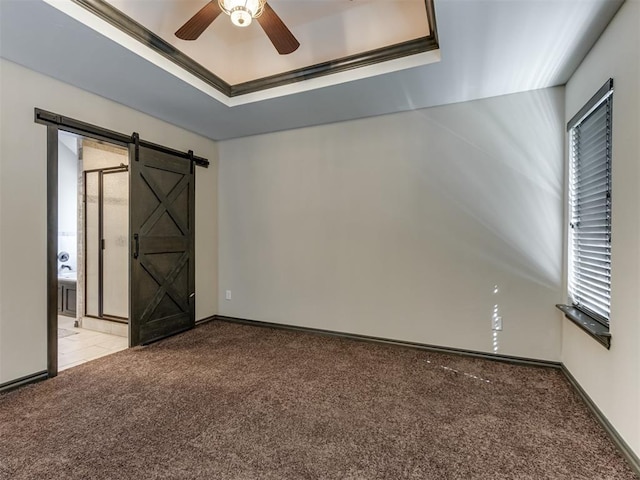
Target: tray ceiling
(487,48)
(335,36)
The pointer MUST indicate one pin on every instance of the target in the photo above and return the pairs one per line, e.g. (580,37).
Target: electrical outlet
(227,295)
(497,323)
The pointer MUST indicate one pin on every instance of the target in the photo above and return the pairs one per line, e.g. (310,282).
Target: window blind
(590,211)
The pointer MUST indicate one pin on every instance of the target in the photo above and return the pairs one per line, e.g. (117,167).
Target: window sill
(589,325)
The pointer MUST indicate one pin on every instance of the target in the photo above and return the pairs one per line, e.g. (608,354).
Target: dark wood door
(162,220)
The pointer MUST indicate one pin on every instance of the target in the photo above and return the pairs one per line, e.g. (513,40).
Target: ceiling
(326,29)
(487,48)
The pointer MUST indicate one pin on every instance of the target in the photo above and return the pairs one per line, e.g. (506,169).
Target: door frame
(54,123)
(101,172)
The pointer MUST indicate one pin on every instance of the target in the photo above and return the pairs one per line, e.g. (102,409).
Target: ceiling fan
(241,13)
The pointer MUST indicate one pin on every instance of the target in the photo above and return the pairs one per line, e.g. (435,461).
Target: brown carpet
(227,401)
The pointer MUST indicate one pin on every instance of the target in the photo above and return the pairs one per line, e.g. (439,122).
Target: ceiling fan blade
(200,21)
(277,31)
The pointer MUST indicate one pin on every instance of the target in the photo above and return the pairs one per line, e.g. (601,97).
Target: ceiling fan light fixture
(240,17)
(242,11)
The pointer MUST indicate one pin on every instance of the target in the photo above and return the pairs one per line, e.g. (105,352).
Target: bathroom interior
(93,250)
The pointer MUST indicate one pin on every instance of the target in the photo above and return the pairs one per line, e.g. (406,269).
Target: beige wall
(612,377)
(402,226)
(23,205)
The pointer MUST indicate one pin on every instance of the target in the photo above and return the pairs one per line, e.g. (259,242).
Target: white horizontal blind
(590,211)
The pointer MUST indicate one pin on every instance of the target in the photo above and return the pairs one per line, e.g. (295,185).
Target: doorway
(92,239)
(160,242)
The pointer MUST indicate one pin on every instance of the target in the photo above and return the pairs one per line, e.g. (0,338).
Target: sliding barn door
(162,289)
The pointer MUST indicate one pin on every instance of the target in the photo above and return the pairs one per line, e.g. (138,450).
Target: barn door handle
(192,295)
(136,248)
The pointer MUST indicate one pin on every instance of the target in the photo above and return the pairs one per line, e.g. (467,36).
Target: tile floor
(85,345)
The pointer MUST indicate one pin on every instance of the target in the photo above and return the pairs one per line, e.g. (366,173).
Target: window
(590,207)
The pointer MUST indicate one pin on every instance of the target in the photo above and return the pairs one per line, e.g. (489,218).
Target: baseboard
(623,447)
(205,320)
(421,346)
(19,382)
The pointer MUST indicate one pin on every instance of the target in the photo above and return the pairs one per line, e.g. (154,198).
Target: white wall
(68,204)
(612,377)
(23,205)
(401,226)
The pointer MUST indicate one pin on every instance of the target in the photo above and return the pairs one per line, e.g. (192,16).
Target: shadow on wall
(402,226)
(500,181)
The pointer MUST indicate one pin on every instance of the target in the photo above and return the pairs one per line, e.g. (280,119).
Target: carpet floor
(229,401)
